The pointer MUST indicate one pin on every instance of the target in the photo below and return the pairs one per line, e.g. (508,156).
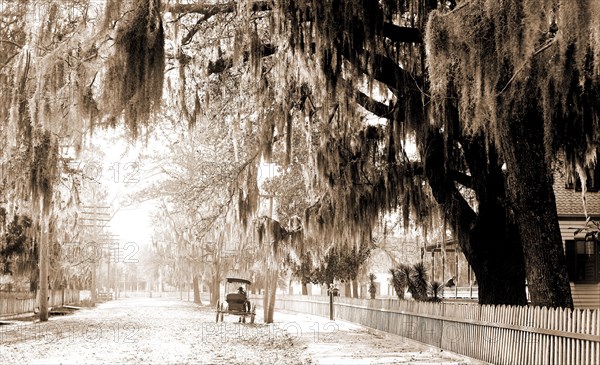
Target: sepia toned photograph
(300,182)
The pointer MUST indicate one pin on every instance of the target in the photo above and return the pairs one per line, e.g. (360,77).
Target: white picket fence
(495,334)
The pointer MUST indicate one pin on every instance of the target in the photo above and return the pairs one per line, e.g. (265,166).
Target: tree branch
(461,178)
(219,65)
(192,32)
(212,9)
(385,70)
(379,109)
(402,34)
(208,11)
(11,43)
(391,74)
(222,64)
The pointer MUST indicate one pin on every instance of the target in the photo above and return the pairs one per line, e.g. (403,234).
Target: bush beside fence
(496,334)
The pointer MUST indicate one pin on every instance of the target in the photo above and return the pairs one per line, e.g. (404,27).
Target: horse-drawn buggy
(236,300)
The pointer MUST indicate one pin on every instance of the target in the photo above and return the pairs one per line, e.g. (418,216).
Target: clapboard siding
(568,227)
(586,295)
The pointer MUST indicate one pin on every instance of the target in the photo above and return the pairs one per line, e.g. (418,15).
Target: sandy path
(159,331)
(340,342)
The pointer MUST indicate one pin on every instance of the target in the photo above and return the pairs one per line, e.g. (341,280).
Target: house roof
(569,203)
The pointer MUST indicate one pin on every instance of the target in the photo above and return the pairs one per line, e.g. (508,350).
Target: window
(592,181)
(583,261)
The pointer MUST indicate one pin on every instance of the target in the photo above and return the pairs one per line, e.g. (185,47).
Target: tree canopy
(493,95)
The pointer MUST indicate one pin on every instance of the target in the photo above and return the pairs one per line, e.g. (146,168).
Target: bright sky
(122,174)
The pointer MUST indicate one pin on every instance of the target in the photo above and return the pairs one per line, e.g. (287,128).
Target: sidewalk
(340,342)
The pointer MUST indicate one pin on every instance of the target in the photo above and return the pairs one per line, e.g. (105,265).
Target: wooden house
(583,254)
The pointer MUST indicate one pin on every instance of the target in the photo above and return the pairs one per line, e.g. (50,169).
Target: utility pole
(96,218)
(110,240)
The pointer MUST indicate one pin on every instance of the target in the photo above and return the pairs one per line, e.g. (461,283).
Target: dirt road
(168,331)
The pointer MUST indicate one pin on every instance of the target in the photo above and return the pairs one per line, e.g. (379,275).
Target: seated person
(238,300)
(246,304)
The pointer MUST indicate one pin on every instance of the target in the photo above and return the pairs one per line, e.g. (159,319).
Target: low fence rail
(461,292)
(496,334)
(19,303)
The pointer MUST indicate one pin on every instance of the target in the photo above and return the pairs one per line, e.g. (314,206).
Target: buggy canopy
(238,280)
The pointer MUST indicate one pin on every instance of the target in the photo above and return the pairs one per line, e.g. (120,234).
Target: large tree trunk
(34,282)
(196,286)
(266,295)
(43,260)
(497,256)
(497,260)
(215,290)
(487,238)
(269,295)
(534,206)
(347,289)
(355,288)
(304,288)
(272,296)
